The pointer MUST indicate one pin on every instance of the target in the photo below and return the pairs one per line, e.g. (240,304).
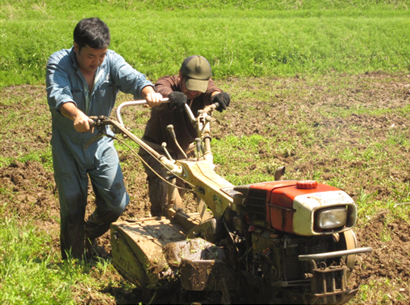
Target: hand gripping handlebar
(133,103)
(164,100)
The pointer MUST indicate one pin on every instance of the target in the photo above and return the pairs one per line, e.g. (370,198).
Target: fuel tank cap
(306,184)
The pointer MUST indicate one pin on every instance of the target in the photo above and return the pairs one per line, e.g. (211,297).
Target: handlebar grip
(92,121)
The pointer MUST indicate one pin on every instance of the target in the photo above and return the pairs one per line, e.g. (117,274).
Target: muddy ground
(28,188)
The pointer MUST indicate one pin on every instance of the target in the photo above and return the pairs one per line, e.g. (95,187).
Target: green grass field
(266,38)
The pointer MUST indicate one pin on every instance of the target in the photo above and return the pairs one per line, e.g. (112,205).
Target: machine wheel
(348,241)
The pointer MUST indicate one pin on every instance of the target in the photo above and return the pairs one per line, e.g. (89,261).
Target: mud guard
(137,249)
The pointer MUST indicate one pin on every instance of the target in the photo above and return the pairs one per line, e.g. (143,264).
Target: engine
(304,208)
(277,223)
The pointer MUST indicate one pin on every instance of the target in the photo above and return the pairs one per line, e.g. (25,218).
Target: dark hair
(93,32)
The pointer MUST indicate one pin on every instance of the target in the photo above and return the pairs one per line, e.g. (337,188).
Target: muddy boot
(158,210)
(155,212)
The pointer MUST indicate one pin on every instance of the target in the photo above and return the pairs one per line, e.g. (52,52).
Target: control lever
(171,131)
(189,113)
(164,147)
(198,147)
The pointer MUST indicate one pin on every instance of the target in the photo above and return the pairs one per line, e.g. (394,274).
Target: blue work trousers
(74,163)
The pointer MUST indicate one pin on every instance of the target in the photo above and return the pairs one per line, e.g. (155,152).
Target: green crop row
(270,38)
(133,5)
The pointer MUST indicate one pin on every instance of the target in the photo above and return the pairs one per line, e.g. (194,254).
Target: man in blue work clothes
(81,82)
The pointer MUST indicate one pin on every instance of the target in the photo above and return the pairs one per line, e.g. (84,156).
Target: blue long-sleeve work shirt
(65,83)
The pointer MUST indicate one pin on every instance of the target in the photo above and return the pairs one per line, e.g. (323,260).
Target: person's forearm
(70,111)
(146,90)
(80,119)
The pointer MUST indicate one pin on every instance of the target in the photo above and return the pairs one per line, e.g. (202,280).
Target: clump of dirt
(32,192)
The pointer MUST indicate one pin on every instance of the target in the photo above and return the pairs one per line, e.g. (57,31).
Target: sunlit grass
(31,274)
(264,39)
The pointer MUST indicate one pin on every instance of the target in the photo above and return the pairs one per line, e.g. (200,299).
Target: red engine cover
(279,200)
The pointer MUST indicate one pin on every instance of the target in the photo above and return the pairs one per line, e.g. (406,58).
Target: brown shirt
(165,114)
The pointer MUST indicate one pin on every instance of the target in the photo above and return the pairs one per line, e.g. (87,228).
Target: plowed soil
(28,188)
